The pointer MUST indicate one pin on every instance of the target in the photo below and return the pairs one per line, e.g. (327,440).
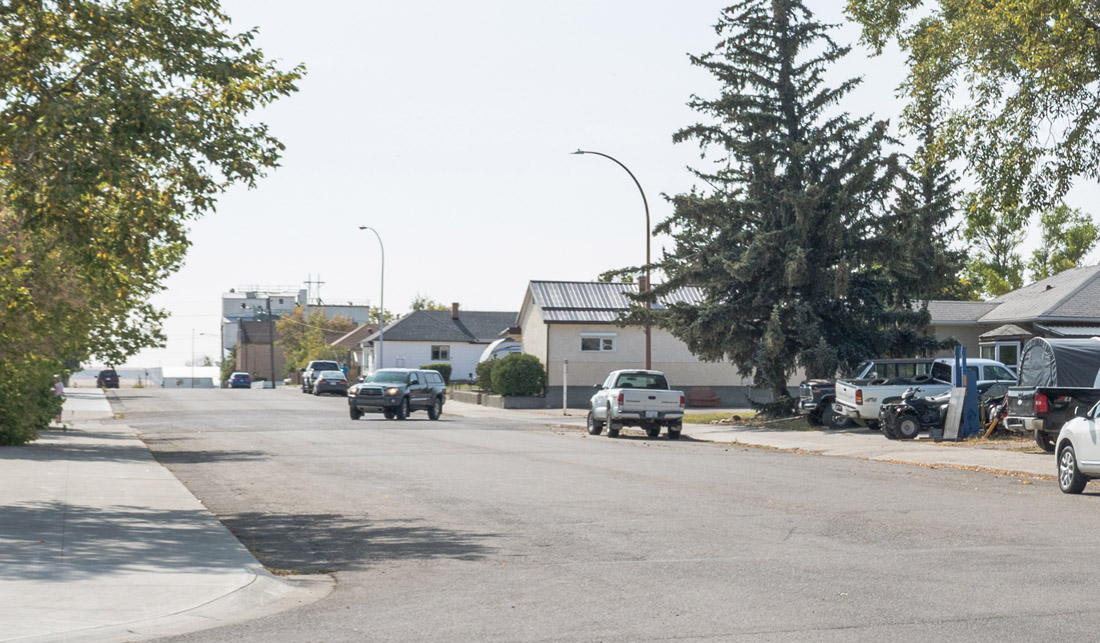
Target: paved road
(475,529)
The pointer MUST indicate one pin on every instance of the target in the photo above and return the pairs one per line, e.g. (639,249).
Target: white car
(1077,451)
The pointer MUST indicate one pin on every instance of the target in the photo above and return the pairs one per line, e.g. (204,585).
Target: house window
(1007,353)
(441,353)
(598,342)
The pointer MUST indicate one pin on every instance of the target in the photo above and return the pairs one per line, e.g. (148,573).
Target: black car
(330,382)
(396,392)
(107,378)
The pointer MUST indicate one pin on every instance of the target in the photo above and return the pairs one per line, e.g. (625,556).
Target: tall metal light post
(381,297)
(645,285)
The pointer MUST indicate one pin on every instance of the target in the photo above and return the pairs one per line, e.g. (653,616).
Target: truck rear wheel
(595,427)
(674,430)
(1045,442)
(652,430)
(613,427)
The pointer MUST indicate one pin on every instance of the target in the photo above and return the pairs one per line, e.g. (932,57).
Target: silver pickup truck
(862,399)
(636,398)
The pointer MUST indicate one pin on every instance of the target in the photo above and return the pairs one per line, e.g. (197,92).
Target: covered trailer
(1056,376)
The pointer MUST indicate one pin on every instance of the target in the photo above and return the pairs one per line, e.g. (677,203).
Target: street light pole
(193,355)
(381,298)
(645,286)
(271,336)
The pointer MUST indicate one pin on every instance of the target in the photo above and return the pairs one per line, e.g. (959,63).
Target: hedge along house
(572,321)
(1064,305)
(453,336)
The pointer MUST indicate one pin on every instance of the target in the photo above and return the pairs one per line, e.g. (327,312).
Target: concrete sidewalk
(857,442)
(99,542)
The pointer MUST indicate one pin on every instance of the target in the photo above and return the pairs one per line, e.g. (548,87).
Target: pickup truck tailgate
(642,400)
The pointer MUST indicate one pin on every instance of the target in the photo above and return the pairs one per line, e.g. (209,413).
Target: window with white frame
(1007,353)
(597,342)
(441,353)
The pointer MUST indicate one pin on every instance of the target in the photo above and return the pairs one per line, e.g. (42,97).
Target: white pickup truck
(862,399)
(636,398)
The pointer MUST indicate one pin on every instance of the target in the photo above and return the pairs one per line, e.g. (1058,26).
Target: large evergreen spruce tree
(794,241)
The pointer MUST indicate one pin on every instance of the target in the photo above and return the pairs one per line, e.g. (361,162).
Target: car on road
(107,378)
(636,398)
(397,392)
(309,373)
(240,380)
(1077,451)
(330,382)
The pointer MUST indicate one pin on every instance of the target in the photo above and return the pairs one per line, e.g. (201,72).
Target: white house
(432,336)
(575,321)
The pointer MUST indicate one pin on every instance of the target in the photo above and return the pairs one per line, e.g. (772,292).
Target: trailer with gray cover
(1056,376)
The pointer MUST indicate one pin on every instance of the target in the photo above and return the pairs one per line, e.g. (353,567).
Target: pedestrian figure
(59,391)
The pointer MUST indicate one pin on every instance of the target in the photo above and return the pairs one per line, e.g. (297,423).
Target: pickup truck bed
(1044,425)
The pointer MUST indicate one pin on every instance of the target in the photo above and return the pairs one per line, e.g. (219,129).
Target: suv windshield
(388,377)
(326,366)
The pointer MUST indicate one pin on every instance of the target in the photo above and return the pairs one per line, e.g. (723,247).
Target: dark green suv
(397,392)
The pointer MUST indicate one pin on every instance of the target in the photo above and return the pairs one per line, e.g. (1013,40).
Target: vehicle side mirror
(598,387)
(1081,411)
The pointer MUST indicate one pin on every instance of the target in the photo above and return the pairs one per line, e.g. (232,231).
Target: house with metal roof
(1064,305)
(572,325)
(454,336)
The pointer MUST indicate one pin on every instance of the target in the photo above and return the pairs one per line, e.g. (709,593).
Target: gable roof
(1071,295)
(475,327)
(581,302)
(353,337)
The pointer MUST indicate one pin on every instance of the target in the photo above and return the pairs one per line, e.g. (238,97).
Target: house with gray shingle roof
(571,323)
(454,336)
(1064,305)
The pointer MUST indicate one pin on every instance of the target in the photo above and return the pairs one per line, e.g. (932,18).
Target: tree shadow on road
(309,542)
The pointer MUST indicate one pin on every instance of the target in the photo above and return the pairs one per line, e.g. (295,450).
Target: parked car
(397,392)
(107,378)
(240,380)
(636,398)
(816,397)
(1056,377)
(1078,452)
(330,382)
(862,399)
(316,366)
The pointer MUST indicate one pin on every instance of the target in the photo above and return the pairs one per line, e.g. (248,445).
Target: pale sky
(448,127)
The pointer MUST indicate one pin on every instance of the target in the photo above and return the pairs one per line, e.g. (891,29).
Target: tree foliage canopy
(1019,81)
(797,247)
(306,337)
(120,121)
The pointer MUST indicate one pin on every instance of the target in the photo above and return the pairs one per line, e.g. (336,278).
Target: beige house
(1065,305)
(574,322)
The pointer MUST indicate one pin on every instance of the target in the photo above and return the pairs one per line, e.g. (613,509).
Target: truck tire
(1045,442)
(595,427)
(873,425)
(388,414)
(354,413)
(613,427)
(674,430)
(652,430)
(816,417)
(436,409)
(402,412)
(833,420)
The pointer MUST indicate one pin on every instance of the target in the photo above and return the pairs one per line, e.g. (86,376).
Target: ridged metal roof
(595,301)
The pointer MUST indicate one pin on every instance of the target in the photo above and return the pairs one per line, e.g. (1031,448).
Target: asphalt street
(481,528)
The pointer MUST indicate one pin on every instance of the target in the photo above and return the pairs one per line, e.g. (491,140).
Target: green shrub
(518,374)
(484,372)
(443,368)
(27,402)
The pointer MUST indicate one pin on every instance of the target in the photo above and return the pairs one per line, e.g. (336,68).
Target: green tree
(518,374)
(791,248)
(423,302)
(303,337)
(120,121)
(1019,79)
(994,235)
(1067,236)
(229,364)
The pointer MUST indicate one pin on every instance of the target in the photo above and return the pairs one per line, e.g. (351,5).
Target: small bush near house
(443,368)
(518,374)
(484,372)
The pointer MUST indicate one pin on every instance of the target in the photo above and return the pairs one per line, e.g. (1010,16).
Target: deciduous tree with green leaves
(1068,234)
(793,244)
(1020,81)
(303,337)
(994,236)
(120,121)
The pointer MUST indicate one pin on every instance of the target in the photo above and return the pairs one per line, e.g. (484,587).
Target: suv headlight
(353,389)
(393,391)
